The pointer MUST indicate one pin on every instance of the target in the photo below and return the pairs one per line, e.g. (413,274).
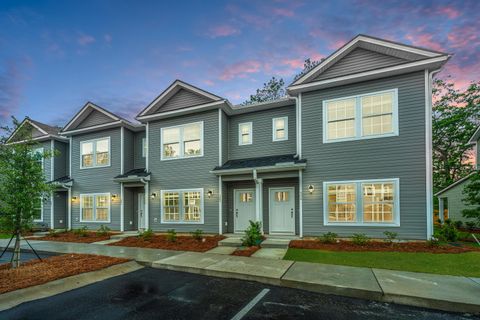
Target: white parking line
(250,305)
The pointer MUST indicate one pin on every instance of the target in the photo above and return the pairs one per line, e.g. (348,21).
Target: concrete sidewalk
(449,293)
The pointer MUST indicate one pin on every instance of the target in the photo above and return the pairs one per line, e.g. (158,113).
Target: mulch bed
(343,245)
(37,272)
(245,251)
(183,243)
(72,237)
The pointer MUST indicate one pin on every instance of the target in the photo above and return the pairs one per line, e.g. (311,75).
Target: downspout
(147,204)
(298,121)
(259,193)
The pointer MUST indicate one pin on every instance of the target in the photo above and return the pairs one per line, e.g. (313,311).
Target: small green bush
(390,236)
(171,235)
(197,235)
(52,233)
(146,235)
(448,221)
(470,225)
(449,232)
(433,242)
(81,232)
(458,224)
(253,234)
(103,231)
(360,239)
(329,237)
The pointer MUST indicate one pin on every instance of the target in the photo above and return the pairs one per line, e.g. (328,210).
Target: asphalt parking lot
(24,256)
(160,294)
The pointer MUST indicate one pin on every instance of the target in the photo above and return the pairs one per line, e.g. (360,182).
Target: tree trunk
(16,251)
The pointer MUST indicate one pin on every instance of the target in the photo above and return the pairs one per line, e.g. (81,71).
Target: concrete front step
(231,242)
(275,243)
(124,235)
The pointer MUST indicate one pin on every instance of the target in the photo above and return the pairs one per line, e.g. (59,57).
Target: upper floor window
(95,153)
(183,141)
(361,117)
(280,129)
(367,202)
(38,154)
(144,147)
(245,133)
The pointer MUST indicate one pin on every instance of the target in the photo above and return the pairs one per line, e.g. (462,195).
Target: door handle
(291,213)
(236,213)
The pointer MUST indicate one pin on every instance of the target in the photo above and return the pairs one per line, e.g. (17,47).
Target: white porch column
(147,205)
(69,225)
(220,206)
(122,209)
(259,202)
(441,208)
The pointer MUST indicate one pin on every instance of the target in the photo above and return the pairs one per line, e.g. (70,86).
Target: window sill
(394,134)
(94,221)
(353,224)
(95,167)
(180,158)
(180,222)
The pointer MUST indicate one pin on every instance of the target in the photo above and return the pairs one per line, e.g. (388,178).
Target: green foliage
(171,235)
(197,235)
(308,65)
(452,128)
(390,236)
(253,234)
(470,225)
(472,198)
(146,235)
(360,239)
(329,237)
(448,231)
(81,232)
(52,233)
(103,231)
(272,90)
(434,241)
(22,180)
(458,224)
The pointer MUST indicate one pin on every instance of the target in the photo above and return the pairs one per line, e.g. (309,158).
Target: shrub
(470,225)
(197,235)
(439,221)
(360,239)
(390,236)
(253,234)
(171,235)
(329,237)
(52,233)
(82,232)
(146,235)
(449,232)
(103,231)
(433,242)
(448,221)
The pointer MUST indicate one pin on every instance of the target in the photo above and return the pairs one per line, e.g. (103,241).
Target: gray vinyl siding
(60,208)
(61,159)
(96,180)
(128,150)
(359,60)
(93,119)
(182,99)
(139,161)
(186,173)
(455,204)
(400,157)
(262,142)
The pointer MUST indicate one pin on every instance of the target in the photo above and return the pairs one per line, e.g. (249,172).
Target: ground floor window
(362,202)
(37,209)
(95,207)
(182,206)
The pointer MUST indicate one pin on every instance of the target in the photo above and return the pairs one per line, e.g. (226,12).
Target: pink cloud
(293,63)
(241,69)
(464,37)
(450,12)
(424,40)
(208,82)
(222,31)
(283,12)
(85,39)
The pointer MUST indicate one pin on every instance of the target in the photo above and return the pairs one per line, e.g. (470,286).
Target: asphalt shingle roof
(259,162)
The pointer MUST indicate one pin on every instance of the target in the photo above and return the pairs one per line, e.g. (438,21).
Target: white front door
(282,210)
(244,208)
(141,211)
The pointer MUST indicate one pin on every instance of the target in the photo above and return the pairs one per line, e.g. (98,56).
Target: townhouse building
(347,151)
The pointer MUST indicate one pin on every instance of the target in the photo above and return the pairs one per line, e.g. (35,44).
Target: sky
(57,55)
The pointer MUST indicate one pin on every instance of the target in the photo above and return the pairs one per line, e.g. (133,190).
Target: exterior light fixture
(153,195)
(311,188)
(74,198)
(210,193)
(114,196)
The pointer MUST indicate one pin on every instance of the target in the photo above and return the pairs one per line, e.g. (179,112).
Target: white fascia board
(93,128)
(172,113)
(88,105)
(277,168)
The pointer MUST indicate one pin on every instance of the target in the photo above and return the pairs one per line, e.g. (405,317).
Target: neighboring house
(451,198)
(55,169)
(348,151)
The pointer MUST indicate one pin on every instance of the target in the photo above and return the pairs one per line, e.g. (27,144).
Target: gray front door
(244,208)
(282,210)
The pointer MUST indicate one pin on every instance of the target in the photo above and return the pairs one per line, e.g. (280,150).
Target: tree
(22,183)
(273,89)
(308,65)
(472,197)
(456,115)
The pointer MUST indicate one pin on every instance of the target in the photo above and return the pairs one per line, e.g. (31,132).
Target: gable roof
(456,183)
(44,131)
(80,122)
(475,137)
(178,86)
(410,55)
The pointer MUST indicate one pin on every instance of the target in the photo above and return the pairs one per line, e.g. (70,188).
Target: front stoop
(231,242)
(274,242)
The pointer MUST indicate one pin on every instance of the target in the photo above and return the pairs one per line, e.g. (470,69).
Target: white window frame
(182,142)
(359,117)
(144,147)
(94,213)
(274,131)
(359,203)
(41,209)
(94,141)
(250,126)
(180,208)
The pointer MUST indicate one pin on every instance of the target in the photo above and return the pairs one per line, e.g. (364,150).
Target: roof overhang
(46,136)
(132,179)
(456,183)
(119,123)
(277,168)
(179,112)
(475,137)
(43,138)
(429,63)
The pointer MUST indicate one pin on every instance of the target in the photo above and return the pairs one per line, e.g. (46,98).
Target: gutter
(278,168)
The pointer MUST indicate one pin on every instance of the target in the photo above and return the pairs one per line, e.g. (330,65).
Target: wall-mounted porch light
(114,196)
(74,198)
(209,193)
(311,188)
(153,195)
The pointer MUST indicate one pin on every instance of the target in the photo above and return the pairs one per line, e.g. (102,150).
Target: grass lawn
(5,236)
(460,264)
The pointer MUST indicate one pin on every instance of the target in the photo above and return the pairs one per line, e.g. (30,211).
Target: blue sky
(57,55)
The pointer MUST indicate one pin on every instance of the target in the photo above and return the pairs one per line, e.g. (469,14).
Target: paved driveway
(160,294)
